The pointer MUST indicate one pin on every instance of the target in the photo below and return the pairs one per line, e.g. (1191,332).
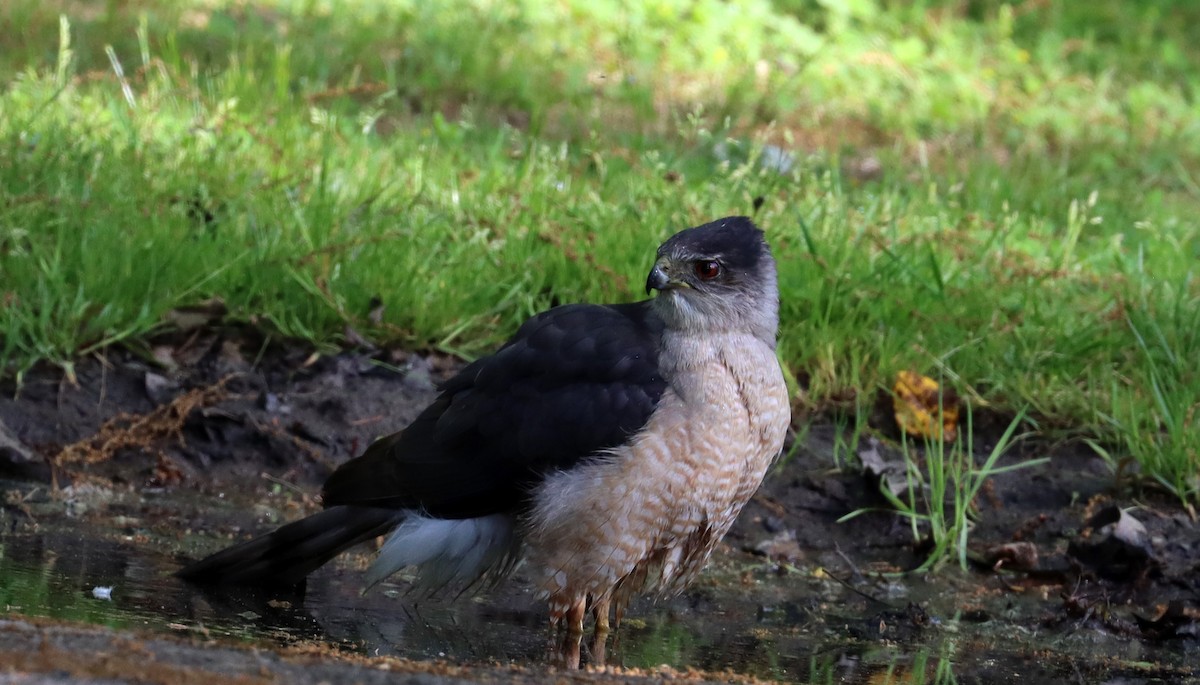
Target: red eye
(708,269)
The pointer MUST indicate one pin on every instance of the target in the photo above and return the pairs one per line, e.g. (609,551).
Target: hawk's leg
(566,624)
(600,634)
(600,611)
(575,614)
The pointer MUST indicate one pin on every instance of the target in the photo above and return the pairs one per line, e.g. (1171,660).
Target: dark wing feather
(573,380)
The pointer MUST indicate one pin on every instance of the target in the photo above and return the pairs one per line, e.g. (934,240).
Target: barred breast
(646,516)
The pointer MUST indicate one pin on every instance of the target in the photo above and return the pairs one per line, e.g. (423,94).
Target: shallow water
(753,619)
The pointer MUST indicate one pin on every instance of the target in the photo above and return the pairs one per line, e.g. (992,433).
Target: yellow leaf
(916,400)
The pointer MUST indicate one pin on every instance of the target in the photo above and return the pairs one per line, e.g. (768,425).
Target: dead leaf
(166,472)
(16,459)
(195,348)
(890,473)
(1013,555)
(201,315)
(164,356)
(923,409)
(375,310)
(1118,547)
(159,388)
(356,339)
(781,547)
(1180,619)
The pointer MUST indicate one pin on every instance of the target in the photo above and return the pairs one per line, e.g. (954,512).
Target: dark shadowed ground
(115,480)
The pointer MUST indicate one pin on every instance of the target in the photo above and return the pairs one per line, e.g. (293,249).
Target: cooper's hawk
(610,445)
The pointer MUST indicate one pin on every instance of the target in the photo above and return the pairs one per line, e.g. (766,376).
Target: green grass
(943,480)
(1029,236)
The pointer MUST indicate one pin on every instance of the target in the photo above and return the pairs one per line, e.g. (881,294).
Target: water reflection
(782,628)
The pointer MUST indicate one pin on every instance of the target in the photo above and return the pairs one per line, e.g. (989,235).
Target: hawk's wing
(573,380)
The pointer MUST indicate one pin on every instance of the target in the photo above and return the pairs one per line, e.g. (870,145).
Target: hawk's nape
(611,446)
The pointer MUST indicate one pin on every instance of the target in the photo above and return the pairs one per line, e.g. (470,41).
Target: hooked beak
(659,280)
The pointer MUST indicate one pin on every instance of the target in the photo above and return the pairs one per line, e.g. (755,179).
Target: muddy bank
(58,653)
(145,461)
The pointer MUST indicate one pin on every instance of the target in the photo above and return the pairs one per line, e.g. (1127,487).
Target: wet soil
(113,479)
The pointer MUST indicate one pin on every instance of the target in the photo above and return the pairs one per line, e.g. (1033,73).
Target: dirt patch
(219,420)
(148,460)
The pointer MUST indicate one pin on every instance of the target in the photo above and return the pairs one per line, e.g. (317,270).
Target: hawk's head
(719,276)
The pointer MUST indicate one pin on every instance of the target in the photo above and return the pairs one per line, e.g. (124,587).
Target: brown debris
(1115,547)
(1013,555)
(1178,620)
(782,547)
(130,431)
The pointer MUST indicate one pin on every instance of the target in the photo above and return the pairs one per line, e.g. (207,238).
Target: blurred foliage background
(999,194)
